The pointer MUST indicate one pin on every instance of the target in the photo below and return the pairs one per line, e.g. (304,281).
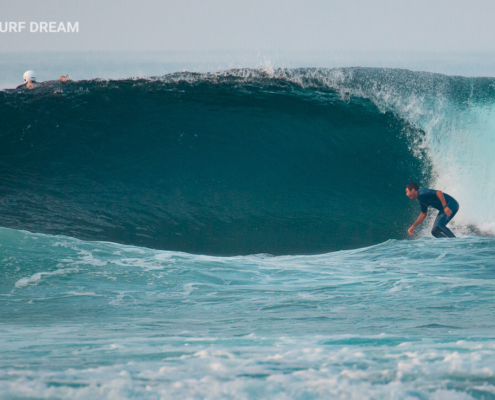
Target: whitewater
(243,234)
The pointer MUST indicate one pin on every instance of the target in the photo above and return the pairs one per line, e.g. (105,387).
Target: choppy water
(403,319)
(243,235)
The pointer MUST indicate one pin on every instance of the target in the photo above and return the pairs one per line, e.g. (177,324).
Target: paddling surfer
(446,205)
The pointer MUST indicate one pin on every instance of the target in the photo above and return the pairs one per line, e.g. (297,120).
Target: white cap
(29,76)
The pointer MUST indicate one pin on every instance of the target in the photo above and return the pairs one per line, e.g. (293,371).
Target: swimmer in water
(29,80)
(445,204)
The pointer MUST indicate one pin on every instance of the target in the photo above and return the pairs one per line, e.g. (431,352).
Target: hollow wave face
(245,161)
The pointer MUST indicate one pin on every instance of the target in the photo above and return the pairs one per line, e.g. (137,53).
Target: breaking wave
(285,161)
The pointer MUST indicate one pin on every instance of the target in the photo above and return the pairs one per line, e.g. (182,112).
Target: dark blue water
(229,167)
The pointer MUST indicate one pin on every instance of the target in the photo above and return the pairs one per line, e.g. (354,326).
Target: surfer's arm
(441,197)
(420,219)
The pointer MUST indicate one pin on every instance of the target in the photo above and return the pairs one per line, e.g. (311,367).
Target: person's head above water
(29,79)
(29,76)
(412,190)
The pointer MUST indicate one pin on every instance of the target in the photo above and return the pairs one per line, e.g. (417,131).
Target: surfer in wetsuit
(446,205)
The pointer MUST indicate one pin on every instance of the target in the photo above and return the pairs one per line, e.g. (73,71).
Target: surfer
(29,80)
(446,205)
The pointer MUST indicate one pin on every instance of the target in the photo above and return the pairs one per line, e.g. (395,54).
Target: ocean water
(243,234)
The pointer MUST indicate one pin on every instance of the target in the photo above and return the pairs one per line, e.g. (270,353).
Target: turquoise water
(402,319)
(246,161)
(243,235)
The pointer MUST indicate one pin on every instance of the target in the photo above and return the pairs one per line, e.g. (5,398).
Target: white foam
(82,293)
(36,278)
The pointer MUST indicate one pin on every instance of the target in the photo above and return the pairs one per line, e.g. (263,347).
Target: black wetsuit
(428,198)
